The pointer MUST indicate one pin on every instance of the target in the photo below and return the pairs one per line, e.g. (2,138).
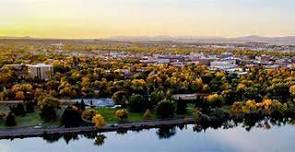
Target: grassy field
(33,119)
(109,115)
(30,119)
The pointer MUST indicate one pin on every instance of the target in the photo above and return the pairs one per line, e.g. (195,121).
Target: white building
(163,61)
(40,71)
(223,65)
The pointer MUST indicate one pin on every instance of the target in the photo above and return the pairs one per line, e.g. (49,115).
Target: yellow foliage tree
(98,121)
(121,114)
(292,90)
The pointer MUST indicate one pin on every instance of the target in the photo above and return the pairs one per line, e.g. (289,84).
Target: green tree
(48,108)
(120,98)
(136,103)
(165,109)
(10,120)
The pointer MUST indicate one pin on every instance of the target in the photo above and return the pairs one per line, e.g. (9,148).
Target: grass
(109,115)
(33,119)
(30,119)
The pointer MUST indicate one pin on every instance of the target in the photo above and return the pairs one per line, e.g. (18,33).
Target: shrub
(165,109)
(121,114)
(88,114)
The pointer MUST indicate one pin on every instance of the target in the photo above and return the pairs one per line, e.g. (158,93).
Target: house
(40,71)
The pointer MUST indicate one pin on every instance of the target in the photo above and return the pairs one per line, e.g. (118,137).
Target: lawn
(109,115)
(30,119)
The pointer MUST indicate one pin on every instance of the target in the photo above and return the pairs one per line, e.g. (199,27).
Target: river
(261,138)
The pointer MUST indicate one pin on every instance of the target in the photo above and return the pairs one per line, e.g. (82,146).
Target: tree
(10,120)
(147,115)
(82,105)
(48,108)
(88,114)
(292,90)
(71,117)
(30,106)
(19,95)
(138,85)
(98,121)
(236,109)
(20,110)
(120,98)
(136,103)
(215,100)
(156,97)
(181,106)
(165,109)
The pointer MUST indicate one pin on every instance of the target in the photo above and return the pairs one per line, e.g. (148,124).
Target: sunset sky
(104,18)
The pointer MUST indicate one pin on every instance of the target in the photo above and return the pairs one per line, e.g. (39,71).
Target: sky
(105,18)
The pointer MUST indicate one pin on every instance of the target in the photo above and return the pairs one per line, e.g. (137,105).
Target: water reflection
(271,134)
(166,132)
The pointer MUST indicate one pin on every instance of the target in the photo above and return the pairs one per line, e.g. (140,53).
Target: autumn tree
(48,108)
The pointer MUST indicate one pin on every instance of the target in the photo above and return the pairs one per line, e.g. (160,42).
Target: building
(40,71)
(223,65)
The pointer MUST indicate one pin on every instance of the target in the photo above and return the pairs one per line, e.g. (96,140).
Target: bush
(10,120)
(71,117)
(165,109)
(88,114)
(121,114)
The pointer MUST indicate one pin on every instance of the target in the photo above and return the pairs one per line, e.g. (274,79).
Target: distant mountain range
(287,40)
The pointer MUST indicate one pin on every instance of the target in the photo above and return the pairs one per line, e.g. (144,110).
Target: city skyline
(106,18)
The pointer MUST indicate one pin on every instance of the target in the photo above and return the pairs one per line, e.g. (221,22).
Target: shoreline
(27,132)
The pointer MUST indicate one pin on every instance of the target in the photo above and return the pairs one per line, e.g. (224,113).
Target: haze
(104,18)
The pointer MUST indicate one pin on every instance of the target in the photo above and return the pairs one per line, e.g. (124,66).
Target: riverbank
(34,132)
